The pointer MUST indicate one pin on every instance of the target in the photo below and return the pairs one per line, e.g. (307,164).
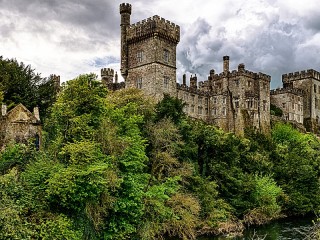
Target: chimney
(4,109)
(116,78)
(184,79)
(36,113)
(241,67)
(225,64)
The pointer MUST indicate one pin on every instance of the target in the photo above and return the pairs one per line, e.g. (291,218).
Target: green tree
(20,84)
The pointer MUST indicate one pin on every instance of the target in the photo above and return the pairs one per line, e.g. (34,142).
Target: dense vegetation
(115,165)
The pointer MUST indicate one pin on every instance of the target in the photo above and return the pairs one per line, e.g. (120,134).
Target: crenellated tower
(125,12)
(148,55)
(107,76)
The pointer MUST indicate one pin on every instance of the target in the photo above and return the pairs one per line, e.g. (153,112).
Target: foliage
(115,165)
(276,111)
(20,84)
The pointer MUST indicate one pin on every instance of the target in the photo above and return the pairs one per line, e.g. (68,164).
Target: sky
(73,37)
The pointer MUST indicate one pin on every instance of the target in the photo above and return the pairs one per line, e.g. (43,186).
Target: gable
(20,114)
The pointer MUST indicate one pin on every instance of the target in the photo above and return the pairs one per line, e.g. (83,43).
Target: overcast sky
(70,37)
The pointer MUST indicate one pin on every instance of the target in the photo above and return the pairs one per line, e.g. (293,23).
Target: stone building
(290,101)
(148,54)
(308,83)
(233,100)
(20,125)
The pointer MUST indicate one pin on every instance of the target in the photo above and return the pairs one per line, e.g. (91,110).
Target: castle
(232,100)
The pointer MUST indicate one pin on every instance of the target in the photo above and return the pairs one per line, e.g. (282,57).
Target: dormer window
(166,55)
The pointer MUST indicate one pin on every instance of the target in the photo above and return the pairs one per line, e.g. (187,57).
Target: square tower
(149,55)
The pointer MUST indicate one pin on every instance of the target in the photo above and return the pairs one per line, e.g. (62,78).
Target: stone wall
(20,125)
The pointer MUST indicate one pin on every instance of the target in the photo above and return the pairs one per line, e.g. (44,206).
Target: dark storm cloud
(274,48)
(96,17)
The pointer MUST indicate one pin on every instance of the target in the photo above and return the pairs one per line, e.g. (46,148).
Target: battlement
(125,8)
(241,72)
(310,73)
(107,72)
(153,26)
(295,91)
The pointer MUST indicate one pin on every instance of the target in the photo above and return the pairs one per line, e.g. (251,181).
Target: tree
(20,84)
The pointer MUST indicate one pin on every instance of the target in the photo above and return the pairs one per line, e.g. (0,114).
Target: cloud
(78,36)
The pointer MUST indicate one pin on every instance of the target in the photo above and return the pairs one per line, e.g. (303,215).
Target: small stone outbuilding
(19,125)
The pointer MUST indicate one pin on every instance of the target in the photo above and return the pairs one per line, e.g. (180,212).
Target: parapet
(153,26)
(310,73)
(125,8)
(295,91)
(241,72)
(107,72)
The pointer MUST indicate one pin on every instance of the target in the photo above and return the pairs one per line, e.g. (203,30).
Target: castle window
(214,111)
(315,88)
(139,83)
(192,98)
(236,82)
(236,102)
(185,108)
(200,100)
(224,111)
(37,142)
(166,55)
(214,100)
(264,105)
(224,100)
(166,82)
(199,110)
(206,111)
(192,108)
(139,56)
(284,105)
(249,83)
(293,105)
(206,101)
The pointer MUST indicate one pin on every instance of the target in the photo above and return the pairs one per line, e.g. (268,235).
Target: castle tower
(56,82)
(150,60)
(107,76)
(309,82)
(125,12)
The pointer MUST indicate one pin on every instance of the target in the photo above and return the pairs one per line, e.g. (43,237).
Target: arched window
(37,142)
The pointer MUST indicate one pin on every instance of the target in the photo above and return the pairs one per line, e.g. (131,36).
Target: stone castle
(232,100)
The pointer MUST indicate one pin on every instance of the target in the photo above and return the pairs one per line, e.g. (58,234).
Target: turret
(193,81)
(125,12)
(107,76)
(56,82)
(225,64)
(241,67)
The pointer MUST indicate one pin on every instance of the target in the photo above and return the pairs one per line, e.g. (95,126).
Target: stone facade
(148,54)
(232,100)
(290,101)
(308,82)
(20,125)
